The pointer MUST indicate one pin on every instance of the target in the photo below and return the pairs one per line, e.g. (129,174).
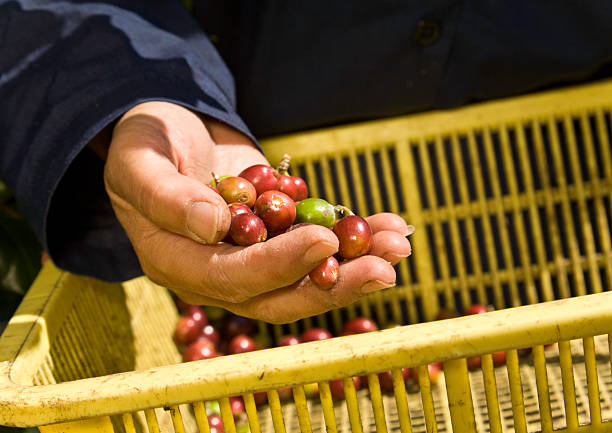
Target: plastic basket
(512,205)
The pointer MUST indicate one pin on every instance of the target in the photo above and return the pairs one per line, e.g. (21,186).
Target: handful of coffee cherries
(265,202)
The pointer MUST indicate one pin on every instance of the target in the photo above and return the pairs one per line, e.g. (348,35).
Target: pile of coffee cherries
(209,332)
(265,202)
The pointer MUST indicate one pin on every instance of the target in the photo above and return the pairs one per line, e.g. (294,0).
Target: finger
(356,279)
(389,222)
(390,246)
(230,273)
(149,181)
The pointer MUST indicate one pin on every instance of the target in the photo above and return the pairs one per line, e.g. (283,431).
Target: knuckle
(155,275)
(236,297)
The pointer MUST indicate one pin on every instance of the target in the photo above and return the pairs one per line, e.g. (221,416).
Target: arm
(69,70)
(159,106)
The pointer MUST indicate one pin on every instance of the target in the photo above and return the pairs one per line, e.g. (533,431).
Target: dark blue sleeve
(67,70)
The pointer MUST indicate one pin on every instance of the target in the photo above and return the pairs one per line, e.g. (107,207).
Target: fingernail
(409,230)
(319,251)
(374,285)
(202,220)
(394,258)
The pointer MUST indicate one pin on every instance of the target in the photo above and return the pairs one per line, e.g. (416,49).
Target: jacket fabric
(70,68)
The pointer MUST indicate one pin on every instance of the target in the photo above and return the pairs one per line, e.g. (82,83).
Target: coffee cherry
(476,309)
(386,379)
(315,334)
(199,350)
(473,362)
(237,405)
(276,209)
(288,340)
(301,188)
(215,423)
(326,274)
(237,190)
(238,208)
(263,177)
(433,369)
(499,358)
(355,236)
(197,313)
(337,387)
(260,398)
(315,211)
(286,185)
(247,229)
(241,344)
(186,330)
(209,333)
(359,325)
(293,186)
(285,393)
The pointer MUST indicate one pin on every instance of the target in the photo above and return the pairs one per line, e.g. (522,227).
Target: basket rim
(349,138)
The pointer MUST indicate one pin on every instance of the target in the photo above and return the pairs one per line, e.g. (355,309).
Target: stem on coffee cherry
(215,178)
(283,166)
(342,211)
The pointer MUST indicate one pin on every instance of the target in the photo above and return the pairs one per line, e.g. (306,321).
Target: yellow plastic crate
(512,205)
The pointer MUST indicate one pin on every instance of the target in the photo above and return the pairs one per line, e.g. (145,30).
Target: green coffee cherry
(315,211)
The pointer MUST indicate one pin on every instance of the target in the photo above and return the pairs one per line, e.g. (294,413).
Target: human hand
(160,158)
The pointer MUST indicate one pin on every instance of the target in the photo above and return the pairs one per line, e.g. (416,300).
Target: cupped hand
(159,161)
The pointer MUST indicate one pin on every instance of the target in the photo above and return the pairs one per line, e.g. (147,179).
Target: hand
(160,158)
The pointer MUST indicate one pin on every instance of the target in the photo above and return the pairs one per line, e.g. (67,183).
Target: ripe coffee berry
(215,423)
(276,209)
(197,313)
(235,189)
(237,405)
(359,325)
(209,333)
(355,236)
(386,379)
(337,387)
(301,188)
(238,208)
(476,309)
(241,344)
(247,229)
(288,340)
(199,350)
(293,186)
(315,334)
(263,177)
(186,330)
(325,274)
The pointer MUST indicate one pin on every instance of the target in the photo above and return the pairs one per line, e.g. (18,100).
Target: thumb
(174,202)
(147,181)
